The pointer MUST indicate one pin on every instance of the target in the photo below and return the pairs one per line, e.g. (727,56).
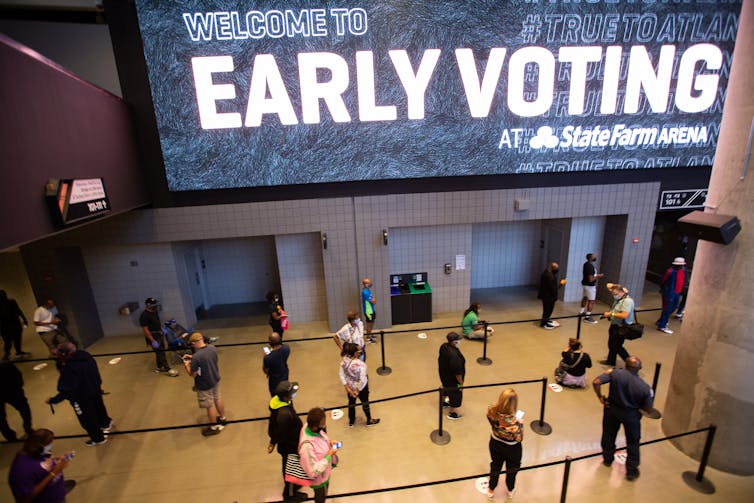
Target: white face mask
(47,449)
(458,343)
(293,396)
(616,297)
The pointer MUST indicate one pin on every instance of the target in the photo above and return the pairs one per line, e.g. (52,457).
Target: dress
(628,394)
(353,374)
(451,363)
(505,447)
(28,471)
(548,293)
(283,429)
(80,383)
(615,340)
(276,367)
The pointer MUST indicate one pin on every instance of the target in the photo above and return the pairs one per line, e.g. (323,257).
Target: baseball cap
(151,302)
(286,388)
(679,261)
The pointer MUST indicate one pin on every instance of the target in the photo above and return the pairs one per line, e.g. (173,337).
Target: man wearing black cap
(452,367)
(284,429)
(628,394)
(151,326)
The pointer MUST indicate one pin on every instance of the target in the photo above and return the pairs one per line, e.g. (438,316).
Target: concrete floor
(180,465)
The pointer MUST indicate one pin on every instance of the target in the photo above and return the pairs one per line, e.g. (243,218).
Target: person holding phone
(505,440)
(275,362)
(318,454)
(37,475)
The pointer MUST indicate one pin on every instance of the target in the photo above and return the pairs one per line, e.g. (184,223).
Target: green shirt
(468,322)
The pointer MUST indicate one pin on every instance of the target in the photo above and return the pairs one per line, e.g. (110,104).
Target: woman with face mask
(621,312)
(35,474)
(317,452)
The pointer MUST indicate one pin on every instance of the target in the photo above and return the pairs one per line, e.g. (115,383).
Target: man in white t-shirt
(46,320)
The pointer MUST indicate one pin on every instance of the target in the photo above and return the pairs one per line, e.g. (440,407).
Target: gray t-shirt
(204,363)
(624,305)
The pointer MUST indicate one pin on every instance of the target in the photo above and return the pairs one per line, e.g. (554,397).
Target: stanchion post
(697,481)
(539,426)
(438,436)
(484,360)
(655,413)
(384,370)
(566,474)
(578,327)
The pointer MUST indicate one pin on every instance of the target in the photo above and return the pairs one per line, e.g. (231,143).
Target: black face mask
(555,271)
(594,259)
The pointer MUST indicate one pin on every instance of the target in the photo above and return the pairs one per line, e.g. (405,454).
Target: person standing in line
(473,327)
(35,474)
(621,313)
(275,309)
(12,393)
(46,320)
(10,325)
(671,287)
(505,441)
(81,384)
(352,331)
(317,452)
(284,429)
(151,326)
(452,369)
(275,363)
(628,393)
(203,367)
(367,307)
(548,293)
(589,285)
(353,376)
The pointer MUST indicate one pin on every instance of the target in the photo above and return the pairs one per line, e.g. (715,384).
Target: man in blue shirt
(367,306)
(628,393)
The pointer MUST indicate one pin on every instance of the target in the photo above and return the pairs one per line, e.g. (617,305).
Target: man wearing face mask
(621,313)
(284,429)
(353,331)
(36,475)
(589,285)
(548,293)
(452,369)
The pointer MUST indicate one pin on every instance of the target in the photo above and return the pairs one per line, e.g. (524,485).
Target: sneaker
(213,340)
(212,430)
(591,320)
(679,315)
(632,475)
(547,326)
(554,323)
(92,443)
(665,329)
(109,427)
(607,463)
(490,494)
(222,421)
(454,415)
(511,494)
(350,425)
(24,354)
(373,421)
(172,373)
(605,362)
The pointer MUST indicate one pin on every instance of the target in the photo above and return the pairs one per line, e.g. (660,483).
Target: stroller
(177,337)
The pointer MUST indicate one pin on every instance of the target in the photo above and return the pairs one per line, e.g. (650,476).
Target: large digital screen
(255,93)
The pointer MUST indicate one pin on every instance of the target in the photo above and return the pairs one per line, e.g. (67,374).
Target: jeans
(508,455)
(615,345)
(669,304)
(612,417)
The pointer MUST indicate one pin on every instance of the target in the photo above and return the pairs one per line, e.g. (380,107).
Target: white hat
(679,261)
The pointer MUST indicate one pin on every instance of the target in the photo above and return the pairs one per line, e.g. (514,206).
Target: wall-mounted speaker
(710,226)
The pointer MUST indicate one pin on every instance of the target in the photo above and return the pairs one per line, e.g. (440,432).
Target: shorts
(455,397)
(590,292)
(208,397)
(370,317)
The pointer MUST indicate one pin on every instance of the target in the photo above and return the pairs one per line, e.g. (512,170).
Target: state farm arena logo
(618,135)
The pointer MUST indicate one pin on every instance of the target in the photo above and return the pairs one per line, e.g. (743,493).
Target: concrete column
(713,374)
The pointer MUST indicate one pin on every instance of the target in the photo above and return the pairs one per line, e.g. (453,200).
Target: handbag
(294,473)
(562,368)
(632,331)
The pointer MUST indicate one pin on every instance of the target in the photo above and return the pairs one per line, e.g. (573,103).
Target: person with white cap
(671,287)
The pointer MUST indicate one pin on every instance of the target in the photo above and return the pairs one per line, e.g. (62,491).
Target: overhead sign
(71,201)
(296,92)
(683,199)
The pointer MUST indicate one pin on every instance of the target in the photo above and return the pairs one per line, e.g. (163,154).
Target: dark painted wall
(55,125)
